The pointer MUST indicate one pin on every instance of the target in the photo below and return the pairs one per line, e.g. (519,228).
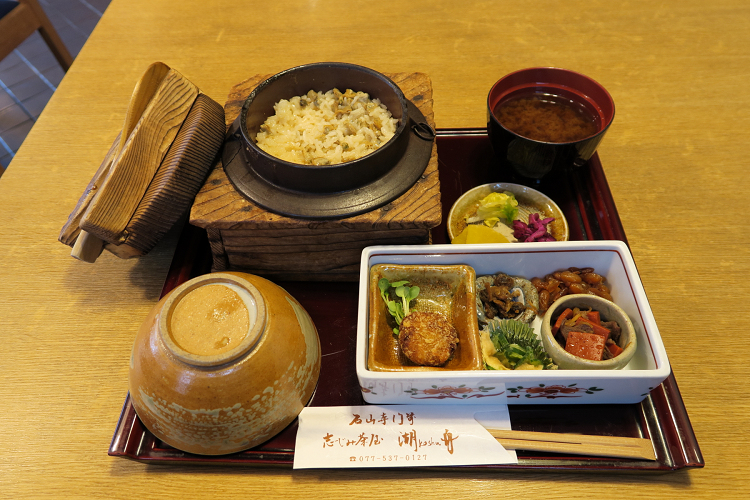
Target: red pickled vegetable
(535,230)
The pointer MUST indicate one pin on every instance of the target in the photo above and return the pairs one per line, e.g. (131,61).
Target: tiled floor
(30,74)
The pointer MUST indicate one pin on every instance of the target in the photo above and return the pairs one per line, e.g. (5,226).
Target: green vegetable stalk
(398,309)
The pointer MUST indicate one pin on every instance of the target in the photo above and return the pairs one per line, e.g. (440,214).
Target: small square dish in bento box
(446,291)
(610,259)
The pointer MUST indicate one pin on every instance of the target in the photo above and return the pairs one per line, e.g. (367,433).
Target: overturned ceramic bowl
(223,363)
(609,311)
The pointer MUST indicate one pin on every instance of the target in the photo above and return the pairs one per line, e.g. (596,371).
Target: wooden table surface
(675,158)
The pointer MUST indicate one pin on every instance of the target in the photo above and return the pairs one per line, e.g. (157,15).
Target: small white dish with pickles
(453,280)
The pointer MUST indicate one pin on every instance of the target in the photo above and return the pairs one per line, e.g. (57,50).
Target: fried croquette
(427,338)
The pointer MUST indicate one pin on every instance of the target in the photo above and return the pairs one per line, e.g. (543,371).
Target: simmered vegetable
(582,333)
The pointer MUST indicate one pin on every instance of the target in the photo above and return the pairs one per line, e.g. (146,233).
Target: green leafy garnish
(398,309)
(517,344)
(496,206)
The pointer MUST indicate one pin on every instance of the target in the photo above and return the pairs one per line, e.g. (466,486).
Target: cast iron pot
(322,77)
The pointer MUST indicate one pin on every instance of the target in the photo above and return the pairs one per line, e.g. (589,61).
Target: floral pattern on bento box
(398,392)
(552,391)
(648,368)
(441,392)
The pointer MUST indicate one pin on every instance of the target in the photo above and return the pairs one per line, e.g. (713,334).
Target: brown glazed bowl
(532,160)
(223,363)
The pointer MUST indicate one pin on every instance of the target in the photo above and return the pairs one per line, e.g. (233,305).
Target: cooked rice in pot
(325,129)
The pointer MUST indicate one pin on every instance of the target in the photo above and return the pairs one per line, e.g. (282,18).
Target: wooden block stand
(246,237)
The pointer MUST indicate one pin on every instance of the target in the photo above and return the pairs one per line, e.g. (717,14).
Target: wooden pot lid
(152,172)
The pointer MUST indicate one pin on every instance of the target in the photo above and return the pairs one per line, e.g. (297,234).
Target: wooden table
(675,158)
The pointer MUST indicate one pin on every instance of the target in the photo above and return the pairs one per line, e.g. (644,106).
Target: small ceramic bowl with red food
(587,332)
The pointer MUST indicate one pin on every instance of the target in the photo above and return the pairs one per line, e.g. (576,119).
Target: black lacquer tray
(465,160)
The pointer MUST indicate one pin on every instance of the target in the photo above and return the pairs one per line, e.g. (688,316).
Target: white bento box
(612,259)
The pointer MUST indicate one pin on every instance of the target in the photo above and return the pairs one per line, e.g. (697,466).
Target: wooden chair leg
(50,36)
(57,46)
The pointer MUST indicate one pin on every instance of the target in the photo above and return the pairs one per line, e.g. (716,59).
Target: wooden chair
(19,19)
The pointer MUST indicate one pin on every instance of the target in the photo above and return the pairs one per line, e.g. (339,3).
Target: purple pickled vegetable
(535,230)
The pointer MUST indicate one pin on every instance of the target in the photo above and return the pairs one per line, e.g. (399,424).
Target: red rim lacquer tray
(465,160)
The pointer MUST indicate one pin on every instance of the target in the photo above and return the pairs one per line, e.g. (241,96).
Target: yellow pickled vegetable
(461,238)
(479,234)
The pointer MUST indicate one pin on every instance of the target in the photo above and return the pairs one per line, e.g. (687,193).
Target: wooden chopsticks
(579,444)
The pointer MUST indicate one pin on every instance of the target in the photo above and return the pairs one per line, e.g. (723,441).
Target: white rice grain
(326,128)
